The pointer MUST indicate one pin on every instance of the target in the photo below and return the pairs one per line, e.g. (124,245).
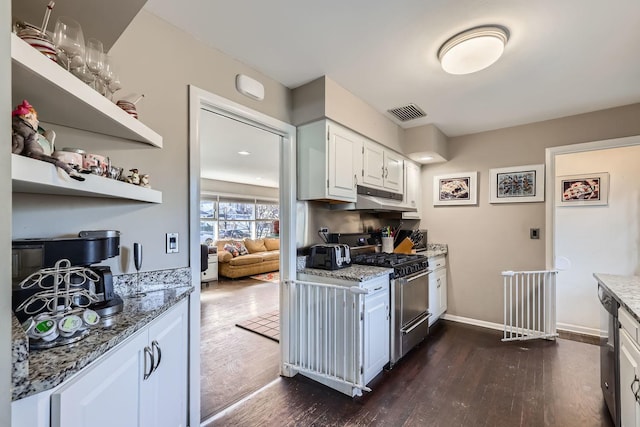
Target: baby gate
(325,334)
(529,305)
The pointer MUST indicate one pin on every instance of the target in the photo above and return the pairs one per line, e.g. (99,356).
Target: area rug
(273,277)
(267,325)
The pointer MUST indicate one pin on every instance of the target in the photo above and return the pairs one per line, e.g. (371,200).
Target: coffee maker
(89,248)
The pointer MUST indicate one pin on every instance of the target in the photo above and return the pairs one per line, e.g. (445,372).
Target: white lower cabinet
(629,379)
(143,383)
(376,329)
(437,288)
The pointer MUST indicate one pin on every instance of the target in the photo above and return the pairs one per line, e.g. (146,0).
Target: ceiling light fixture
(473,50)
(244,153)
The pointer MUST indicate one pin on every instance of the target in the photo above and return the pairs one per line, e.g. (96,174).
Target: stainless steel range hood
(371,199)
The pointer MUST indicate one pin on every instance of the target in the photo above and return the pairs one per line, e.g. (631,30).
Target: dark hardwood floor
(234,362)
(462,376)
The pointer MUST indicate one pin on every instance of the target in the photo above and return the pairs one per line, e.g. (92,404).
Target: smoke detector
(407,112)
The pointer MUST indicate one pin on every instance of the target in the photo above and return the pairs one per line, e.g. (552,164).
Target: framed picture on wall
(581,190)
(455,189)
(518,184)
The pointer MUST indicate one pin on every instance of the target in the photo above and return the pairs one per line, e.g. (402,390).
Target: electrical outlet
(534,233)
(172,243)
(323,230)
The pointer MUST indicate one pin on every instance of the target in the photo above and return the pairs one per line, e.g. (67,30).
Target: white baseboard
(578,329)
(475,322)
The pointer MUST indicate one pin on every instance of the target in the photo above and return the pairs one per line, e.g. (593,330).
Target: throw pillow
(232,249)
(272,244)
(254,246)
(242,249)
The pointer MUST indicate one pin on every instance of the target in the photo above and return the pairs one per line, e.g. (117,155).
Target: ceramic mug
(97,164)
(72,159)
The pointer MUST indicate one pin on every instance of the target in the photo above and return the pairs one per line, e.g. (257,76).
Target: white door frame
(199,99)
(550,161)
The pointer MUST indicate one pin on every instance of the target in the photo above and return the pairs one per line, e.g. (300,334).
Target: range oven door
(410,313)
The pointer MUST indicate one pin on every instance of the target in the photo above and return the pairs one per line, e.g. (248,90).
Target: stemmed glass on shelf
(106,74)
(94,58)
(69,41)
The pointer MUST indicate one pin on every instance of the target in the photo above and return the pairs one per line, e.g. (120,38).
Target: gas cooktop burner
(402,264)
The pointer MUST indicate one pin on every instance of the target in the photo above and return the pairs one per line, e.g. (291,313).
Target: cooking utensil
(137,260)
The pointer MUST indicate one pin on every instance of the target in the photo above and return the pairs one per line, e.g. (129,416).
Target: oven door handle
(415,324)
(417,276)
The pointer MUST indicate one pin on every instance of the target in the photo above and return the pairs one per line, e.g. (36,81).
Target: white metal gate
(325,334)
(529,305)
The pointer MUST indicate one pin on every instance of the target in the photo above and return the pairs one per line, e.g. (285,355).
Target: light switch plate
(172,243)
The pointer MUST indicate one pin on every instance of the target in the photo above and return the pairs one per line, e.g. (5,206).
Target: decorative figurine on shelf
(144,181)
(24,138)
(134,178)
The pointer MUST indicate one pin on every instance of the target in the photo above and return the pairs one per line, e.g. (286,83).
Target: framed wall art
(455,189)
(581,190)
(518,184)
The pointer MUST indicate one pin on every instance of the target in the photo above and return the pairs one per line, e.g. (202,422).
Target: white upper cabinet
(329,162)
(61,98)
(383,168)
(412,190)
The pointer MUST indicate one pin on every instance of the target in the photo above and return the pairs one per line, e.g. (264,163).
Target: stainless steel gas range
(409,290)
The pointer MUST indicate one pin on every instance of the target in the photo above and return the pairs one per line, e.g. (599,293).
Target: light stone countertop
(40,370)
(625,289)
(435,249)
(355,272)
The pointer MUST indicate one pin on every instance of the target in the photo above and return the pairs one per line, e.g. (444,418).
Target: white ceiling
(563,57)
(221,139)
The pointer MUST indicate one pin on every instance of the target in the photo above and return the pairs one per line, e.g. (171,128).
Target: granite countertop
(48,368)
(357,273)
(435,249)
(625,289)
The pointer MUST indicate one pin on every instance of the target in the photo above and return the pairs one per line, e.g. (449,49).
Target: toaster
(330,256)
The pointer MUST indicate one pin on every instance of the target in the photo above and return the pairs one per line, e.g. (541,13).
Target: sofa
(259,256)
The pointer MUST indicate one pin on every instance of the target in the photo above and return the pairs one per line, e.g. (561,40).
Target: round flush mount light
(473,50)
(244,153)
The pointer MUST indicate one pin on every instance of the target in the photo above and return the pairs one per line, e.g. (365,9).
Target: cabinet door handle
(386,172)
(382,171)
(438,280)
(355,180)
(155,346)
(148,351)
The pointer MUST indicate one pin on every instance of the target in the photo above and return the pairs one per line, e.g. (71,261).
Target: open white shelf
(60,97)
(35,176)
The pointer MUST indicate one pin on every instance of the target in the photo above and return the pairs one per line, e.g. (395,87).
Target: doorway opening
(227,362)
(587,234)
(239,218)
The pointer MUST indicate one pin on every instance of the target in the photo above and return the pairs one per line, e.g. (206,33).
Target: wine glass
(94,58)
(106,74)
(114,85)
(68,38)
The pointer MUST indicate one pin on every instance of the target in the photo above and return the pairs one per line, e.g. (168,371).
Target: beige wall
(486,239)
(160,61)
(5,224)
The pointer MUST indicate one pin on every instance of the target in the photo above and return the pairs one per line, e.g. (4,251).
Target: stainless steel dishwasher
(609,352)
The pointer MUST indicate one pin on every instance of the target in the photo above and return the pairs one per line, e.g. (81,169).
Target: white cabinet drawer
(437,262)
(628,323)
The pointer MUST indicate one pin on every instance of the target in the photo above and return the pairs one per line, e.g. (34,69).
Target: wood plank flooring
(234,362)
(463,376)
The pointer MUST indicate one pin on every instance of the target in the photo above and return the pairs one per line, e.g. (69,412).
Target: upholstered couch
(263,256)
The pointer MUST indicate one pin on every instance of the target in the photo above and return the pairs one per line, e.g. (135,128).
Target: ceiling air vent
(408,112)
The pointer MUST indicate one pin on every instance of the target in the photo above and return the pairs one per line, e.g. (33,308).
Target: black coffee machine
(90,247)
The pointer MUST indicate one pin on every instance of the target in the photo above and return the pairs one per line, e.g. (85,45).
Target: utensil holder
(387,244)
